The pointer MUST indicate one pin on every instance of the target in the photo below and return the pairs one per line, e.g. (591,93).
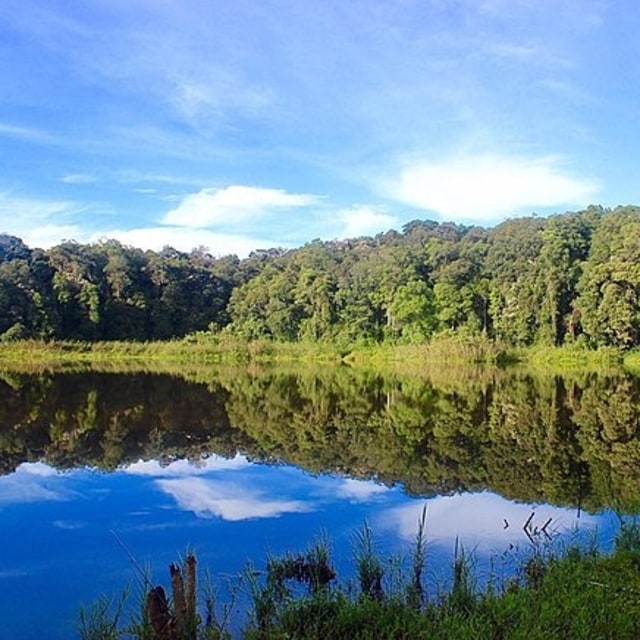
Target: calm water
(105,473)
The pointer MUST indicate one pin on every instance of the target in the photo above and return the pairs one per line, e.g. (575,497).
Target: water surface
(105,473)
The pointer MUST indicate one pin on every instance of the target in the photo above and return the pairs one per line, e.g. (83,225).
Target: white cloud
(226,500)
(360,490)
(361,220)
(490,187)
(49,235)
(210,207)
(186,467)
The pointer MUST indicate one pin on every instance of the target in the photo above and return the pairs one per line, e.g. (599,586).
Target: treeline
(568,278)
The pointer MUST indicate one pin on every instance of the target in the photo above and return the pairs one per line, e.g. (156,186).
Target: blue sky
(246,124)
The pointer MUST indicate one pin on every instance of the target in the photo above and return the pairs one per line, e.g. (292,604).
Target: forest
(568,278)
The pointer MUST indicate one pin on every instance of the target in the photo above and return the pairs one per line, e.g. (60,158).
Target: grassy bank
(208,348)
(570,592)
(204,349)
(193,349)
(570,357)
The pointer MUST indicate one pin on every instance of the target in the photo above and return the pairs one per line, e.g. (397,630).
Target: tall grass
(210,349)
(571,357)
(201,349)
(559,592)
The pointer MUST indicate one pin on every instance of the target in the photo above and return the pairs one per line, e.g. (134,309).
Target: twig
(544,528)
(134,562)
(528,522)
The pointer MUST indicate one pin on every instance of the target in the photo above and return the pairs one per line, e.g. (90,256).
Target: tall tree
(514,248)
(609,300)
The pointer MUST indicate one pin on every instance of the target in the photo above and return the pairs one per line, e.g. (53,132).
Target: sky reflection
(483,521)
(72,535)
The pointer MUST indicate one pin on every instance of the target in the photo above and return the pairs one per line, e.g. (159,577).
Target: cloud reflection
(37,469)
(69,525)
(226,500)
(31,482)
(187,467)
(483,521)
(360,490)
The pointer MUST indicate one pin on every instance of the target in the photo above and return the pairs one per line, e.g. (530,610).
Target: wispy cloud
(229,205)
(208,92)
(12,208)
(29,134)
(78,178)
(490,187)
(227,500)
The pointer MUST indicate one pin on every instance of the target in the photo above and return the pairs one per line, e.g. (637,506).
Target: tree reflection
(569,441)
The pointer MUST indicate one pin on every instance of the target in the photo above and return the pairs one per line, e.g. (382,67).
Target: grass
(200,349)
(573,592)
(632,361)
(205,348)
(210,349)
(571,357)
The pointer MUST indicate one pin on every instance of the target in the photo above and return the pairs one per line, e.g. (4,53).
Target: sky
(243,125)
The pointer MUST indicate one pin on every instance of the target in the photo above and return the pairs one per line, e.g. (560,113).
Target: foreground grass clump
(576,592)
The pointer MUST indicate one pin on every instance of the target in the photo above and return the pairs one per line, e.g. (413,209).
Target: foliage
(556,281)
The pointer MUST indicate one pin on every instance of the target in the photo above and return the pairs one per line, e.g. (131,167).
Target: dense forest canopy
(565,278)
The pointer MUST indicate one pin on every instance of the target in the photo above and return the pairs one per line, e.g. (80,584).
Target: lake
(109,476)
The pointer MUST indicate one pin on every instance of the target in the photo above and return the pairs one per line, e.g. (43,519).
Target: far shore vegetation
(561,291)
(570,281)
